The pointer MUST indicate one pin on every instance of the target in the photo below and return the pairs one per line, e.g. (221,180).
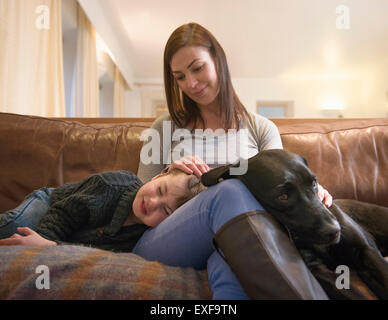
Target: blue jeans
(27,214)
(184,239)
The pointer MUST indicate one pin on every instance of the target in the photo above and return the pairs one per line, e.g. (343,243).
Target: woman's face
(196,74)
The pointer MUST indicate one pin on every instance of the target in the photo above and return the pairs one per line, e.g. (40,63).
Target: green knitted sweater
(93,211)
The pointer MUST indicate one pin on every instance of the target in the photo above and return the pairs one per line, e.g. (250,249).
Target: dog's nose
(336,225)
(329,231)
(336,236)
(333,232)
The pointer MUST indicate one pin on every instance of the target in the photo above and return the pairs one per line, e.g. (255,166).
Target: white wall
(328,71)
(69,30)
(106,100)
(133,108)
(139,102)
(362,94)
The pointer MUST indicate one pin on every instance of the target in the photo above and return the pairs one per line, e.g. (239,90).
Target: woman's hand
(31,239)
(190,165)
(325,196)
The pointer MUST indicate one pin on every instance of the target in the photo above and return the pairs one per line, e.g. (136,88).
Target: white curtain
(31,71)
(119,94)
(86,82)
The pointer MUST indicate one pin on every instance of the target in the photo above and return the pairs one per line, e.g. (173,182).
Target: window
(275,109)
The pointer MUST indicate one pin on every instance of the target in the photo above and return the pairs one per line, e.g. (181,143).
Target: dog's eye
(283,197)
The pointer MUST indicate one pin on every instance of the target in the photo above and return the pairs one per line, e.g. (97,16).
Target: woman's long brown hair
(184,110)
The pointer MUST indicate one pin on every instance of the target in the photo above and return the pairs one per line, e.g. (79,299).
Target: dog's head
(285,186)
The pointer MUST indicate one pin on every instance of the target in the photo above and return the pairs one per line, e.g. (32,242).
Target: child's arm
(31,238)
(63,219)
(72,213)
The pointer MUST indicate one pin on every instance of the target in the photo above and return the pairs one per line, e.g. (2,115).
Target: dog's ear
(303,160)
(215,175)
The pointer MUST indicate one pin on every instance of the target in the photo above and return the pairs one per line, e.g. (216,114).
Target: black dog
(350,232)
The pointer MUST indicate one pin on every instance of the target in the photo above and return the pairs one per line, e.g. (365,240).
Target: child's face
(157,199)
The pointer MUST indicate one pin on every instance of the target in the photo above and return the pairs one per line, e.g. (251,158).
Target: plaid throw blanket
(76,272)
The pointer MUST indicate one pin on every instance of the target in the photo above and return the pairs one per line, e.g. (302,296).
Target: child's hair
(194,186)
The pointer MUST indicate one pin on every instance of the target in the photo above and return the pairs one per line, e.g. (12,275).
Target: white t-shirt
(164,143)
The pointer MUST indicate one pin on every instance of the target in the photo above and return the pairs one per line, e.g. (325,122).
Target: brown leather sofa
(349,156)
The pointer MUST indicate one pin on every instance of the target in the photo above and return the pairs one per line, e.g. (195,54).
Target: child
(109,210)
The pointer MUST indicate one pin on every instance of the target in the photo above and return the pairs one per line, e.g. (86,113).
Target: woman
(201,98)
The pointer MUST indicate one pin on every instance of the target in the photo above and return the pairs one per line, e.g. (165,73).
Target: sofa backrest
(38,152)
(349,157)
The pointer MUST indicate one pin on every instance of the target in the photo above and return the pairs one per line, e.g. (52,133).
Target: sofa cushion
(77,272)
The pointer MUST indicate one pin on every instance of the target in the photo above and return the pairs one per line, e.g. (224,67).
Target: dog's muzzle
(329,234)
